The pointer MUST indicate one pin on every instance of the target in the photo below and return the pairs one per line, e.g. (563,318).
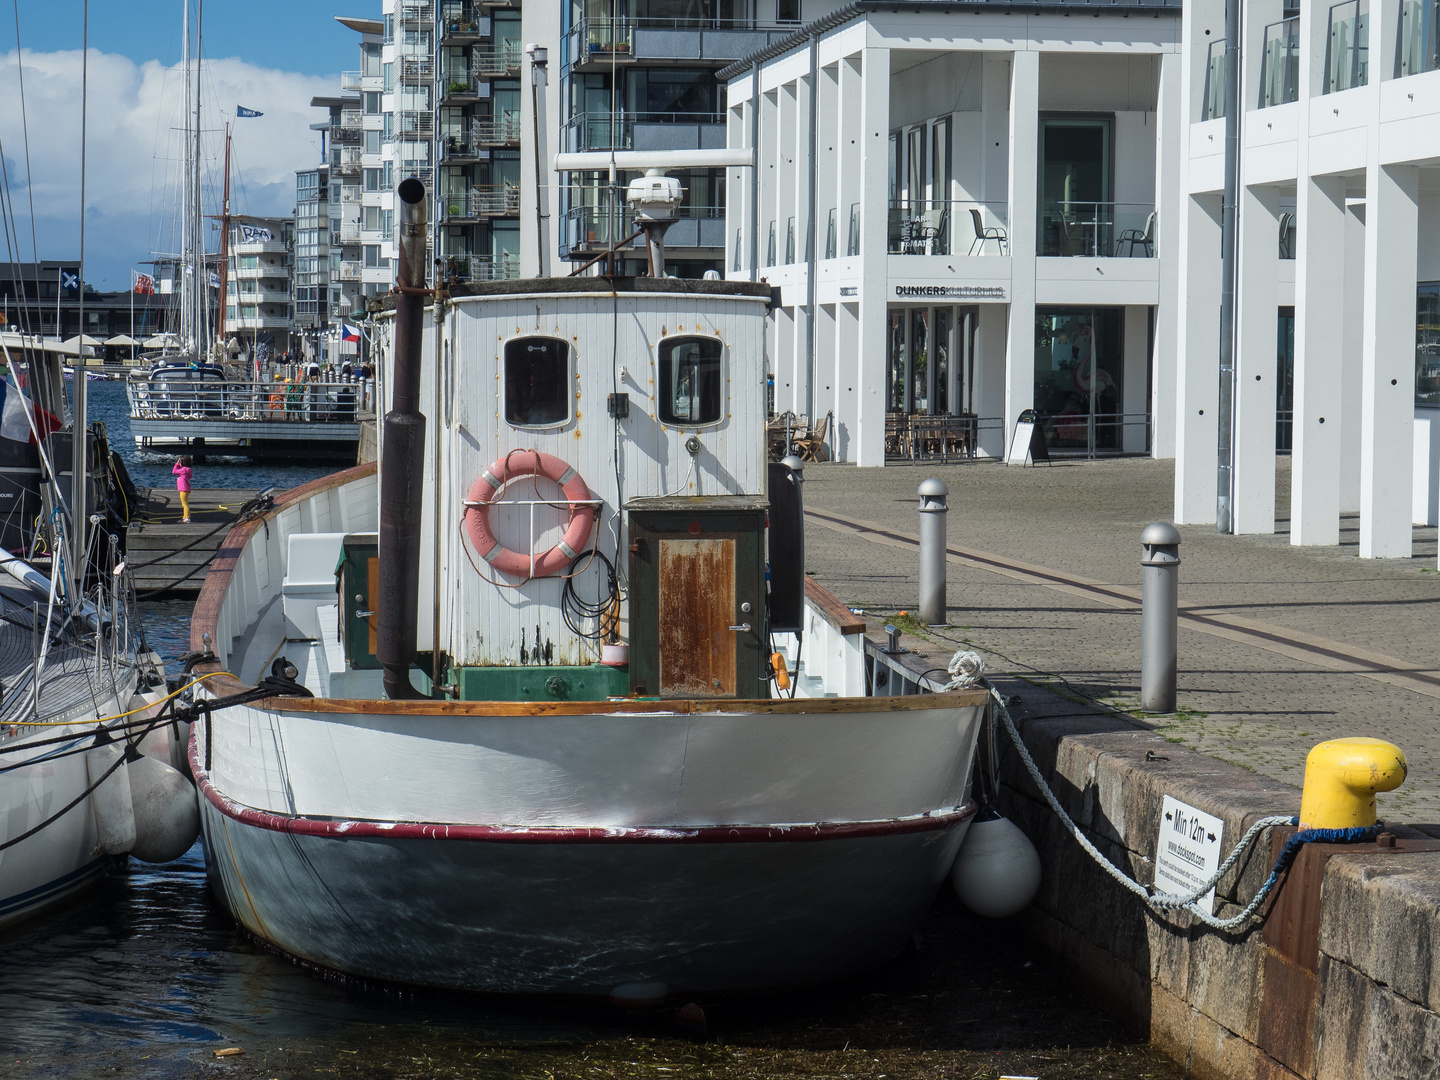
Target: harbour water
(146,976)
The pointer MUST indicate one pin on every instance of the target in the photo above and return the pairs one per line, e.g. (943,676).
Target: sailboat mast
(224,245)
(187,313)
(79,511)
(202,276)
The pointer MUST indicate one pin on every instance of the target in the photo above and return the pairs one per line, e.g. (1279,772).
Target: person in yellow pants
(182,484)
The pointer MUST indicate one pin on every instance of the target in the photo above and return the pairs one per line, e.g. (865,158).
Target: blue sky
(263,54)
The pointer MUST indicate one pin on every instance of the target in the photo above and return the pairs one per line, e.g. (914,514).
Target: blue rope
(1363,834)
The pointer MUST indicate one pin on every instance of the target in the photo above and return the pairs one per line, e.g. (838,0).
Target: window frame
(669,341)
(569,381)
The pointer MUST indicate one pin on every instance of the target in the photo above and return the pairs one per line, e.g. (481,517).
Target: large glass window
(1076,214)
(920,360)
(1427,344)
(537,381)
(690,388)
(1285,381)
(1079,369)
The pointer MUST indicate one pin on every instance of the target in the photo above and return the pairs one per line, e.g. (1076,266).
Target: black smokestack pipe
(403,461)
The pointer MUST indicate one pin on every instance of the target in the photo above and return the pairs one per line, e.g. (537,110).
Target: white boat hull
(720,855)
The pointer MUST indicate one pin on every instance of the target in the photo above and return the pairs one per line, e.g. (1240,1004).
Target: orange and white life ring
(487,488)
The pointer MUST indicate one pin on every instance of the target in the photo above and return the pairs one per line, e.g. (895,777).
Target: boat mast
(187,312)
(202,276)
(79,512)
(224,247)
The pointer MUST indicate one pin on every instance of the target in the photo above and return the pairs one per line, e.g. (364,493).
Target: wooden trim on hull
(933,821)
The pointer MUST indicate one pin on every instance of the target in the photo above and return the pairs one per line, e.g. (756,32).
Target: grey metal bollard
(932,551)
(1159,602)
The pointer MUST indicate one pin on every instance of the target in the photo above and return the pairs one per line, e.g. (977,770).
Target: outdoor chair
(811,444)
(1144,237)
(984,233)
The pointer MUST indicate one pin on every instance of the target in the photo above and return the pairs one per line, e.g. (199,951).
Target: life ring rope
(488,486)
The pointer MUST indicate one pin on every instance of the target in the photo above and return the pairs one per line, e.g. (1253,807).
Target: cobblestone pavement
(1283,646)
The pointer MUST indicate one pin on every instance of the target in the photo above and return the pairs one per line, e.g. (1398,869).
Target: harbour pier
(169,558)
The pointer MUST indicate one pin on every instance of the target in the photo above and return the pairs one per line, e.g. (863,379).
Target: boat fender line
(1163,903)
(968,670)
(487,488)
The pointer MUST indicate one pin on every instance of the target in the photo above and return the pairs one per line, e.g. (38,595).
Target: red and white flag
(144,284)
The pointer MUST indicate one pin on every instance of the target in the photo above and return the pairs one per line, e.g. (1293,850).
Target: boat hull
(583,917)
(792,844)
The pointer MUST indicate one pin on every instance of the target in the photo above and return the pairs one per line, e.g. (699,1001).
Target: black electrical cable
(576,610)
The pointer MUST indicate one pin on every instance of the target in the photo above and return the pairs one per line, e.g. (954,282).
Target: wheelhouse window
(537,381)
(690,389)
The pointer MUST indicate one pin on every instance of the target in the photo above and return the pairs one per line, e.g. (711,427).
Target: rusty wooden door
(697,612)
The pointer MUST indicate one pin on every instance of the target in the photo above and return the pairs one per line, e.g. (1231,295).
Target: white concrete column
(784,355)
(1352,356)
(769,178)
(1198,362)
(827,167)
(826,369)
(990,349)
(1315,459)
(1387,419)
(874,206)
(850,145)
(1023,176)
(1170,130)
(738,210)
(995,128)
(847,376)
(1257,309)
(1136,359)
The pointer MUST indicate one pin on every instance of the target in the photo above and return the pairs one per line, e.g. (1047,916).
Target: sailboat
(564,715)
(90,770)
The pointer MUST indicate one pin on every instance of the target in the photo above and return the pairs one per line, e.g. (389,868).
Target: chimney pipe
(403,464)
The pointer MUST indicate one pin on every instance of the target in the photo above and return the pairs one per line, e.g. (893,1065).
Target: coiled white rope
(968,669)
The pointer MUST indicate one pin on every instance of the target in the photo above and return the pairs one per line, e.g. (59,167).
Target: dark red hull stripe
(531,834)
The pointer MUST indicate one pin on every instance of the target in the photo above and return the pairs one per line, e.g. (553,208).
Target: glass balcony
(1347,52)
(496,130)
(590,228)
(1097,230)
(618,131)
(1212,104)
(417,70)
(1419,48)
(1280,65)
(350,80)
(489,61)
(931,227)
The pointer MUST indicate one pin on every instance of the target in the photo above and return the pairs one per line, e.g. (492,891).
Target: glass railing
(1212,106)
(616,131)
(502,267)
(592,225)
(1280,65)
(1419,49)
(1097,230)
(929,227)
(790,242)
(1347,52)
(830,234)
(852,241)
(599,38)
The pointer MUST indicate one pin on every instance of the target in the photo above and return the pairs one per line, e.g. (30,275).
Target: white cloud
(133,149)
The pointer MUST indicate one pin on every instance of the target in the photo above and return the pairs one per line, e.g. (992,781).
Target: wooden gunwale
(206,616)
(830,608)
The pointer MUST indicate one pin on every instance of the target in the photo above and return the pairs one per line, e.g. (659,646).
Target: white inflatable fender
(112,801)
(997,872)
(166,814)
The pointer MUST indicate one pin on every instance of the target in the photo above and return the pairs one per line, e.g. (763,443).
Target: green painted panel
(591,682)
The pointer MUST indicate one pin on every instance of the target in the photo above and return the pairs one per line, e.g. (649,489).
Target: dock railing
(338,400)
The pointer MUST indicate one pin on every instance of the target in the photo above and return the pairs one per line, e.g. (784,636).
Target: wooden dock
(168,558)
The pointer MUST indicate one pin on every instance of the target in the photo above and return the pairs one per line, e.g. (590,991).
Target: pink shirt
(182,477)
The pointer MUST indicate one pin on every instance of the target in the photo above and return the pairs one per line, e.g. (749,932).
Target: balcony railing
(350,270)
(350,80)
(616,131)
(604,40)
(488,61)
(1280,65)
(1212,106)
(938,227)
(496,130)
(351,194)
(1097,229)
(503,267)
(593,226)
(414,124)
(417,70)
(495,200)
(265,296)
(1347,52)
(460,83)
(416,11)
(1419,30)
(607,38)
(350,232)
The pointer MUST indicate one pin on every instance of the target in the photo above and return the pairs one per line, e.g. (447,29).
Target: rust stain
(372,570)
(697,608)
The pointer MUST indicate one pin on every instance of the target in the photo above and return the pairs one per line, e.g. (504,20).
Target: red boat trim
(539,834)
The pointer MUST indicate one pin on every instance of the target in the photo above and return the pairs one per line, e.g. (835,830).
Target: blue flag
(240,110)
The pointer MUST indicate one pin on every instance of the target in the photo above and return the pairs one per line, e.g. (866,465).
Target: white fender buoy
(166,815)
(997,872)
(111,801)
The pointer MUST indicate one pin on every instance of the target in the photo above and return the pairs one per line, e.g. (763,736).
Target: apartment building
(1338,263)
(258,312)
(969,210)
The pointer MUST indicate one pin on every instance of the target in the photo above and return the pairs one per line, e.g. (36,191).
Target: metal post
(932,551)
(1159,602)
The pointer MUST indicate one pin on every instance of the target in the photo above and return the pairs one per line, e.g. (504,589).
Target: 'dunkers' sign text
(1188,851)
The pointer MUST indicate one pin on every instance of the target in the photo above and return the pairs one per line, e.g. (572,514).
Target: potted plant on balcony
(459,87)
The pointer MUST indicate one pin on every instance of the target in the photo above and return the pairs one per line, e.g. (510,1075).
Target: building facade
(1338,296)
(258,301)
(965,211)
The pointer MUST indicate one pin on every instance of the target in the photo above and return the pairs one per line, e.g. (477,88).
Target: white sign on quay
(1187,853)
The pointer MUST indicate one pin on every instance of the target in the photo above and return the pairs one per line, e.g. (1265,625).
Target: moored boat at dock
(578,753)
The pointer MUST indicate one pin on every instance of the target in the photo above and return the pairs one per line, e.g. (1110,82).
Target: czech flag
(349,333)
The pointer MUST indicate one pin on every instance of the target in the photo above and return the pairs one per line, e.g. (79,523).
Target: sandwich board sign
(1028,441)
(1187,853)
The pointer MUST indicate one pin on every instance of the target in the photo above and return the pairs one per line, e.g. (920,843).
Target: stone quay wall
(1340,982)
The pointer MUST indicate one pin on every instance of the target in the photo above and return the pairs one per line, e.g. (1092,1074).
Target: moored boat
(558,737)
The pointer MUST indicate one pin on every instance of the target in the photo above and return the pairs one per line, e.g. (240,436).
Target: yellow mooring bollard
(1341,779)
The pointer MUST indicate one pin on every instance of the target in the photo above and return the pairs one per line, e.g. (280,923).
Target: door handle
(741,626)
(364,614)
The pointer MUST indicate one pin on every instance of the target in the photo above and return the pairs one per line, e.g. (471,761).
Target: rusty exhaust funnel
(402,465)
